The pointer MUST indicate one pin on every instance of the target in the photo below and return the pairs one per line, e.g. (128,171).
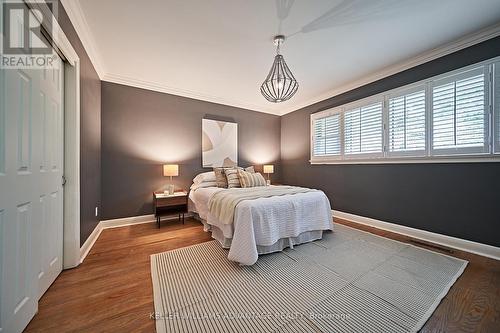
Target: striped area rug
(350,281)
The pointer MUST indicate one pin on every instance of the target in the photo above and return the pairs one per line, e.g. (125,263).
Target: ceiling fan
(280,84)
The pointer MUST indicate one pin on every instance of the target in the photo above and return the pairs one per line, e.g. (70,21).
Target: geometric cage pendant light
(280,84)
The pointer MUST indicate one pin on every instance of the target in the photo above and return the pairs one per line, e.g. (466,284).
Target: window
(327,136)
(363,130)
(448,118)
(459,114)
(406,121)
(496,105)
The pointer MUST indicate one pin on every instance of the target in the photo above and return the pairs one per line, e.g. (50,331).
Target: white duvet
(264,221)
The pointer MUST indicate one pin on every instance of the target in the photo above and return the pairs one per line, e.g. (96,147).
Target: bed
(269,223)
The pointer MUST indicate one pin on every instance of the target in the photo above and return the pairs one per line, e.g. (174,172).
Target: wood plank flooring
(112,292)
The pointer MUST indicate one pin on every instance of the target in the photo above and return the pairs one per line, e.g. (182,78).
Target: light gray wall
(142,130)
(456,199)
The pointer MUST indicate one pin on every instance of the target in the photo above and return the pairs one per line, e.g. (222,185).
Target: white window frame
(359,104)
(485,149)
(399,93)
(495,105)
(321,115)
(489,153)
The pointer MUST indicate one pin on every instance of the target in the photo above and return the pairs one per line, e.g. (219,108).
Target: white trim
(414,160)
(122,222)
(58,36)
(430,155)
(448,241)
(148,85)
(433,54)
(457,45)
(116,223)
(71,165)
(77,18)
(89,243)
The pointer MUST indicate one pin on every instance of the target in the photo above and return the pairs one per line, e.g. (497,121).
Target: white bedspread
(266,220)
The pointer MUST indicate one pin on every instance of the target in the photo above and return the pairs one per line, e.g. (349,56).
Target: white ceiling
(221,50)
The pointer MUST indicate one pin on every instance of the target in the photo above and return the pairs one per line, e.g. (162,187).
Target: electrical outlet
(96,211)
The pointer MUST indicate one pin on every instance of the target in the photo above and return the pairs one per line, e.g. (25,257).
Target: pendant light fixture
(280,84)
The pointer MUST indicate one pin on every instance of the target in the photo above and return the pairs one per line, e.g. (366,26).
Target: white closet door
(51,148)
(31,193)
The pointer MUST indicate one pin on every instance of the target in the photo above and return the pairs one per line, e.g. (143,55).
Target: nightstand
(165,204)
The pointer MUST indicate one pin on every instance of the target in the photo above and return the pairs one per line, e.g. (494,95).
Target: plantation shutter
(363,130)
(327,136)
(458,114)
(407,123)
(496,106)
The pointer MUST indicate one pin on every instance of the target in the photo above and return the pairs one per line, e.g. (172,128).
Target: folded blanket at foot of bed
(222,204)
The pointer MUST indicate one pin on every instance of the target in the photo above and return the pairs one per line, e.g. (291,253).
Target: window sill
(416,160)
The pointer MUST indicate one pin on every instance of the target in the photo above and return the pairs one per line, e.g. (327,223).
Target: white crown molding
(432,237)
(149,85)
(422,58)
(77,18)
(457,45)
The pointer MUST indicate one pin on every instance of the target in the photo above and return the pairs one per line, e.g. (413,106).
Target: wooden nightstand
(165,204)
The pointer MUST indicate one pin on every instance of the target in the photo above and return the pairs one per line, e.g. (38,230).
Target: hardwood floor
(112,292)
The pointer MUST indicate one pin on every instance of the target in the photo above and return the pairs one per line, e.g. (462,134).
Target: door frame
(71,217)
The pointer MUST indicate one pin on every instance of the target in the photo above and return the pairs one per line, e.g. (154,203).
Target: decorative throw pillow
(250,169)
(248,179)
(232,177)
(204,177)
(202,185)
(220,177)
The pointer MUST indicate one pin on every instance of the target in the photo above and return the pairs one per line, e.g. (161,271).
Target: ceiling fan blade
(353,11)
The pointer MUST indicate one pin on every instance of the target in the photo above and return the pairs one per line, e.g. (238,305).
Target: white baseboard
(122,222)
(448,241)
(85,249)
(115,223)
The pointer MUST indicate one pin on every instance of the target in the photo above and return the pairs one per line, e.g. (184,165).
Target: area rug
(350,281)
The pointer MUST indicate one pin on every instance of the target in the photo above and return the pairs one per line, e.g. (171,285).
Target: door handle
(63,180)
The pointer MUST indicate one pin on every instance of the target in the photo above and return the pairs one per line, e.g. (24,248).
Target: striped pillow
(248,179)
(232,177)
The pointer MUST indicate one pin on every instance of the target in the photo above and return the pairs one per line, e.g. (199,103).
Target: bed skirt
(280,245)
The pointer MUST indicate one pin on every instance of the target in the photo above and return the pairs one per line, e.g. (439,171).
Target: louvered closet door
(31,193)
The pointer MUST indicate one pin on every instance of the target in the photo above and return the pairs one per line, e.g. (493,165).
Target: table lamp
(170,170)
(268,168)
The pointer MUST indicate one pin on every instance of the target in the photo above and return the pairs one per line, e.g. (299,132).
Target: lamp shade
(170,170)
(268,168)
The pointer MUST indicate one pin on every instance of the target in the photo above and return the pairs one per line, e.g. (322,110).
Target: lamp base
(170,189)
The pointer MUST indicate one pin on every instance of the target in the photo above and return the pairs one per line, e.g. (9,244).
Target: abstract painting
(219,143)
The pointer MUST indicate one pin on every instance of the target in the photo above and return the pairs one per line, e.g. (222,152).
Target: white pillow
(203,184)
(204,177)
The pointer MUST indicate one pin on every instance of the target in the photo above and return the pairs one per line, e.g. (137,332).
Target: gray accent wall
(143,129)
(456,199)
(90,132)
